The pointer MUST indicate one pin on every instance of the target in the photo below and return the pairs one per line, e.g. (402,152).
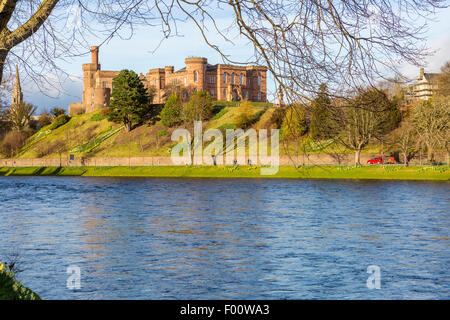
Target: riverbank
(308,172)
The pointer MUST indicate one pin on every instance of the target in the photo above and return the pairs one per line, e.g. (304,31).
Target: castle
(223,82)
(425,86)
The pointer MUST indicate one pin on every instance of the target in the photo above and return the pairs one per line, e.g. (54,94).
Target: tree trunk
(358,157)
(430,154)
(127,125)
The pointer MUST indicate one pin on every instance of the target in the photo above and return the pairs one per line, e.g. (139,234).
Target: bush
(59,121)
(58,111)
(11,289)
(277,117)
(245,117)
(58,146)
(171,113)
(44,120)
(13,141)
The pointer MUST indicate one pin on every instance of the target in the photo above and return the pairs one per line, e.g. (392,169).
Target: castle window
(249,81)
(259,80)
(185,80)
(224,78)
(92,96)
(247,95)
(92,76)
(104,85)
(241,79)
(195,76)
(212,93)
(224,93)
(154,82)
(232,78)
(259,96)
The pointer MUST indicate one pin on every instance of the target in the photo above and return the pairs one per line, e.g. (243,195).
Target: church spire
(17,96)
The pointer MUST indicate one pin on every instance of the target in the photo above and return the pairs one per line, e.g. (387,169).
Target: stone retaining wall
(314,159)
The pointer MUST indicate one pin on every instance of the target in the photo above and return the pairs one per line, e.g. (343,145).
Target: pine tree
(322,125)
(200,106)
(172,111)
(130,100)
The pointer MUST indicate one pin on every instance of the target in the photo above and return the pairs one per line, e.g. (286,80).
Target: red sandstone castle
(223,82)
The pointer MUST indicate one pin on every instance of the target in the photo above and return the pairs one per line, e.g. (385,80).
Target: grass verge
(313,172)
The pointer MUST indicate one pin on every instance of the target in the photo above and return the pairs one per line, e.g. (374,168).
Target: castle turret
(89,79)
(196,72)
(94,55)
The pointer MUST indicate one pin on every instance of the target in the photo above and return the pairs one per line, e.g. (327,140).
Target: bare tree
(444,80)
(13,141)
(20,115)
(365,117)
(431,119)
(405,140)
(302,43)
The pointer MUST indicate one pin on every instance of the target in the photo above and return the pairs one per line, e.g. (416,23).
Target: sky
(139,54)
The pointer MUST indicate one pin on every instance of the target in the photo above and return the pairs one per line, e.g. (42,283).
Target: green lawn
(313,172)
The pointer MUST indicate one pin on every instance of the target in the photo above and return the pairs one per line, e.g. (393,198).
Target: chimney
(422,72)
(94,53)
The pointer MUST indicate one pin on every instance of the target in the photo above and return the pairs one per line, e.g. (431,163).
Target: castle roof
(431,76)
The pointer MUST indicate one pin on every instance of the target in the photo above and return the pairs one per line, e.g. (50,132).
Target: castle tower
(90,75)
(17,96)
(196,72)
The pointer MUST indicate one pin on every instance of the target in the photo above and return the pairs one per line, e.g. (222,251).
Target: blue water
(227,238)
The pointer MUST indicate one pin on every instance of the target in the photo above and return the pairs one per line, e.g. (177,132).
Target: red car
(378,160)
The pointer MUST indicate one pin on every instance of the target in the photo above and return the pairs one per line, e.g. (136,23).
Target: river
(155,238)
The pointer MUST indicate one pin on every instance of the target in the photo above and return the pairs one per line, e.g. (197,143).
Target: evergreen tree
(322,125)
(172,111)
(130,100)
(200,107)
(294,133)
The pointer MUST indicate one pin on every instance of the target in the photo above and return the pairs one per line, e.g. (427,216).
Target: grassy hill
(92,135)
